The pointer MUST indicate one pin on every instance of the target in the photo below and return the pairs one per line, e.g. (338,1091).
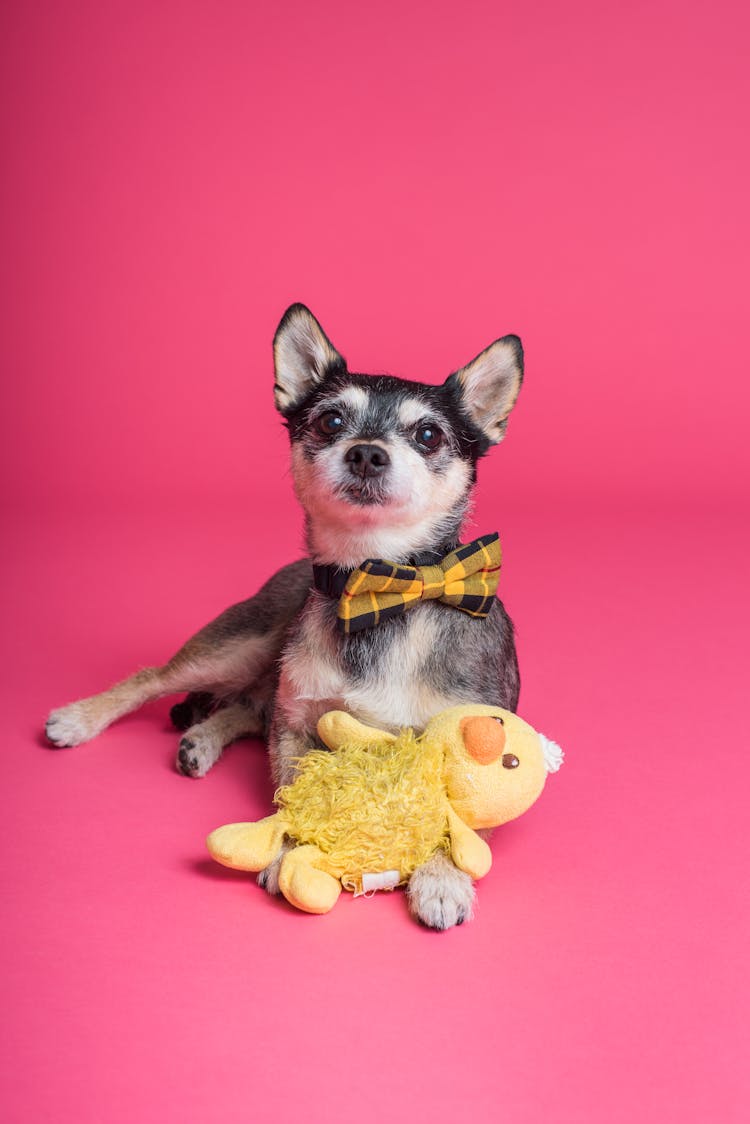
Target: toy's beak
(484,738)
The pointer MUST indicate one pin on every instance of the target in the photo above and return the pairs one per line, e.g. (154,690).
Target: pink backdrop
(426,177)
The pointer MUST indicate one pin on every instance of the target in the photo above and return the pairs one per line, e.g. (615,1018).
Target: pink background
(426,177)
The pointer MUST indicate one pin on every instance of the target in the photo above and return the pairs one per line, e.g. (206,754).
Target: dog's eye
(510,761)
(429,437)
(497,718)
(329,423)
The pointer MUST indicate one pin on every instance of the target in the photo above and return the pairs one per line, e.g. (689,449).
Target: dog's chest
(381,677)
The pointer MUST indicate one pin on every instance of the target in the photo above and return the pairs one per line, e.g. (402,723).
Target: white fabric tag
(386,880)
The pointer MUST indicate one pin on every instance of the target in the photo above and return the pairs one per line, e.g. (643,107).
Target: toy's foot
(246,846)
(440,895)
(307,888)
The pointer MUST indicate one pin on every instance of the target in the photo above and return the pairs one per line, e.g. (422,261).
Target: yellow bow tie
(466,579)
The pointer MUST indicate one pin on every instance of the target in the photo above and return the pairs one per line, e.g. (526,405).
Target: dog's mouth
(365,492)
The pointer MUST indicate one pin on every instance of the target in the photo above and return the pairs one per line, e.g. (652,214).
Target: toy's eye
(429,437)
(497,718)
(510,761)
(329,424)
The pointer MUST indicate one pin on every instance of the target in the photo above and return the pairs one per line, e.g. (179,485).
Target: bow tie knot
(466,578)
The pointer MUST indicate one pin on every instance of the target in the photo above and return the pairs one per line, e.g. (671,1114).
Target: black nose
(367,460)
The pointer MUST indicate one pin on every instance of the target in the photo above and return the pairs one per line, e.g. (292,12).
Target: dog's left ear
(489,385)
(303,356)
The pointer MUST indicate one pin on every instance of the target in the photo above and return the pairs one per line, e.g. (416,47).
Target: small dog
(384,468)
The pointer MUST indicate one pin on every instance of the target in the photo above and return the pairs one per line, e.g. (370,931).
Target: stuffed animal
(368,814)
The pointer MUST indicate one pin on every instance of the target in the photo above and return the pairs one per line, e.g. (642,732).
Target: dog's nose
(367,460)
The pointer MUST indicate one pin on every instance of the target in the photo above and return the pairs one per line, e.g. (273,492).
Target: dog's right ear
(303,356)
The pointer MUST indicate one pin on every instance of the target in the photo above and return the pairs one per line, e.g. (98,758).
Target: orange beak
(484,738)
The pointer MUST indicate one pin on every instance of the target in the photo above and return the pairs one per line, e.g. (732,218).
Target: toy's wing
(247,846)
(469,852)
(337,728)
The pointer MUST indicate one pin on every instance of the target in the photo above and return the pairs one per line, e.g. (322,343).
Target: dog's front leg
(202,744)
(285,747)
(439,894)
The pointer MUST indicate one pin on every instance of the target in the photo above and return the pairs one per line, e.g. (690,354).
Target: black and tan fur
(384,468)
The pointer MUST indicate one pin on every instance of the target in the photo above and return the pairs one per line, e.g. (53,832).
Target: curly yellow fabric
(382,807)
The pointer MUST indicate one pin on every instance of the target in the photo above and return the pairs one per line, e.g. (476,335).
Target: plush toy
(368,814)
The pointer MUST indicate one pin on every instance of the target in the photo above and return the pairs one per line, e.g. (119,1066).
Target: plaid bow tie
(466,578)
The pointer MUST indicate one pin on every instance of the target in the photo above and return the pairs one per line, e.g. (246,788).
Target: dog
(384,468)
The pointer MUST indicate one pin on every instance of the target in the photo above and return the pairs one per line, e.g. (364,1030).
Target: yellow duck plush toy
(369,813)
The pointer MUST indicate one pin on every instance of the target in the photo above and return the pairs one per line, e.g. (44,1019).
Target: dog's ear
(303,356)
(489,385)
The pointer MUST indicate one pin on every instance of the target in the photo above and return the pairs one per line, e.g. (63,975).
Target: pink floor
(603,977)
(426,177)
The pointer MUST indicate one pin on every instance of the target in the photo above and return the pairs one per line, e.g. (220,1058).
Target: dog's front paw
(440,895)
(197,753)
(71,725)
(268,879)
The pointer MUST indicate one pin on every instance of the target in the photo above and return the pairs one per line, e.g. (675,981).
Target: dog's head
(383,466)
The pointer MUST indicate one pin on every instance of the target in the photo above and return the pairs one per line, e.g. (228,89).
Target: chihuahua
(384,468)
